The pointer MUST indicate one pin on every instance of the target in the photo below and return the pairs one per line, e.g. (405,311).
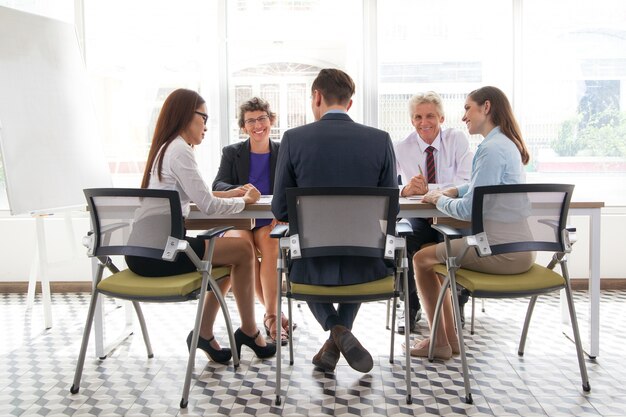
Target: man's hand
(416,186)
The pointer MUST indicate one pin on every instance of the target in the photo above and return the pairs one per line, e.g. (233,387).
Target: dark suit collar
(243,166)
(336,116)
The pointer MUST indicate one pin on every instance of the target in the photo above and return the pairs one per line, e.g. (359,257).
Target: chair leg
(529,313)
(83,345)
(393,326)
(459,330)
(407,350)
(279,303)
(473,314)
(574,320)
(144,328)
(194,342)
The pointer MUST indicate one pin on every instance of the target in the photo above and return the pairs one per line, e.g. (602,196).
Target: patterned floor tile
(37,366)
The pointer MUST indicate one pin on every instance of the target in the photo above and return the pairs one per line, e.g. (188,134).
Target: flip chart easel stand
(39,272)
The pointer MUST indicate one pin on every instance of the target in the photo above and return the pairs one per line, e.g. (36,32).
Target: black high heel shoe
(221,356)
(261,352)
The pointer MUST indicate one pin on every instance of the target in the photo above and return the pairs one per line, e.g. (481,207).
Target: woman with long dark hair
(499,159)
(171,165)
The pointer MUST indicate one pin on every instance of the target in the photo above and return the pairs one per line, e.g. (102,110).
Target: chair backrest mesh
(522,217)
(342,221)
(135,222)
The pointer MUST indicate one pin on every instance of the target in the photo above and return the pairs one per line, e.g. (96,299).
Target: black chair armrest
(403,229)
(214,231)
(447,231)
(570,228)
(279,231)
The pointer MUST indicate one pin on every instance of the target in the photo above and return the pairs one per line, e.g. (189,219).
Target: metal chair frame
(96,241)
(478,241)
(395,249)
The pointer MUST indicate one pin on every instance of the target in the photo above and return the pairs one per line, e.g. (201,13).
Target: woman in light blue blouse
(499,159)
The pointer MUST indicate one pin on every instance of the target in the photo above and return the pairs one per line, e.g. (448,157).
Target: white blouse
(180,172)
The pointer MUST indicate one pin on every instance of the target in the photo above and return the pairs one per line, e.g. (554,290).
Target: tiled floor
(37,366)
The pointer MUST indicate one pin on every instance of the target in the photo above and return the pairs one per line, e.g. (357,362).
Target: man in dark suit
(334,151)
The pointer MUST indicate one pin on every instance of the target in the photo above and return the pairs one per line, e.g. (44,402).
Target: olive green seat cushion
(127,283)
(537,279)
(372,288)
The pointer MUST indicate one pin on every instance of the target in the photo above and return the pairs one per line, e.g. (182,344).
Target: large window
(562,67)
(573,95)
(137,53)
(562,64)
(426,45)
(276,48)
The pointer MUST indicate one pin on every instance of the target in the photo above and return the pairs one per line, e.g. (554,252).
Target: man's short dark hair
(335,86)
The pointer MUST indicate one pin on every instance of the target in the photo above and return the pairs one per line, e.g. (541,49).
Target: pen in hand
(421,172)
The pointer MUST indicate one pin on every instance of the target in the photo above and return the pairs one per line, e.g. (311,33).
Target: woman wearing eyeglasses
(172,165)
(254,161)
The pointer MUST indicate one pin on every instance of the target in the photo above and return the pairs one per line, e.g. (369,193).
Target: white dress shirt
(453,159)
(180,172)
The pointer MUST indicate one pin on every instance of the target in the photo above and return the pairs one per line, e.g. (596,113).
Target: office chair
(148,223)
(349,221)
(505,219)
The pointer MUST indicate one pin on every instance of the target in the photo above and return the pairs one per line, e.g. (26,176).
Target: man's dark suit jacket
(334,152)
(235,166)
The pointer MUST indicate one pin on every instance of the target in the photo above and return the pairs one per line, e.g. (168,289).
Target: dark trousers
(422,234)
(328,316)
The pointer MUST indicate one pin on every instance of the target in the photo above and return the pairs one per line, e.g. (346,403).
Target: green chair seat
(536,280)
(372,288)
(127,283)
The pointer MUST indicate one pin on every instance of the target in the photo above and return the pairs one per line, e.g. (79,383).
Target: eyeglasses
(204,116)
(260,119)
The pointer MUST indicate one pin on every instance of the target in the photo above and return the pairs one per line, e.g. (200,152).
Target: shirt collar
(437,143)
(493,132)
(335,111)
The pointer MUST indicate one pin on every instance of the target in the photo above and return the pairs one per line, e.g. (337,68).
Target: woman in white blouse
(171,165)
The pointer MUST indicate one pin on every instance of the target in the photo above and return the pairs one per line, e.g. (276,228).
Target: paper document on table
(265,199)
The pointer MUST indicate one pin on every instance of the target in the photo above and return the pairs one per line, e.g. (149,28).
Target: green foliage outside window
(604,134)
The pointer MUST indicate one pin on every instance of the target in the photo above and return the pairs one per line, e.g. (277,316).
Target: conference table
(408,208)
(416,208)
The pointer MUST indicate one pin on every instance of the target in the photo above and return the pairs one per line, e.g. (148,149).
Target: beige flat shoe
(441,352)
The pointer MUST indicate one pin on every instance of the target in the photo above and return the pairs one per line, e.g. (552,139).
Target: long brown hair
(502,115)
(176,114)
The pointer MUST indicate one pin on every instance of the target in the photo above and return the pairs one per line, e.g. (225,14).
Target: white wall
(68,260)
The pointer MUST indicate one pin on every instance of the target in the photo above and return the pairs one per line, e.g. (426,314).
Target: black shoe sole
(356,355)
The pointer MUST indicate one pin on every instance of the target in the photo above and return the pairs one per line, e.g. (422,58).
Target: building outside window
(562,67)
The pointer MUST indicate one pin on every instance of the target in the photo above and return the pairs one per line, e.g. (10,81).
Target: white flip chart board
(51,146)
